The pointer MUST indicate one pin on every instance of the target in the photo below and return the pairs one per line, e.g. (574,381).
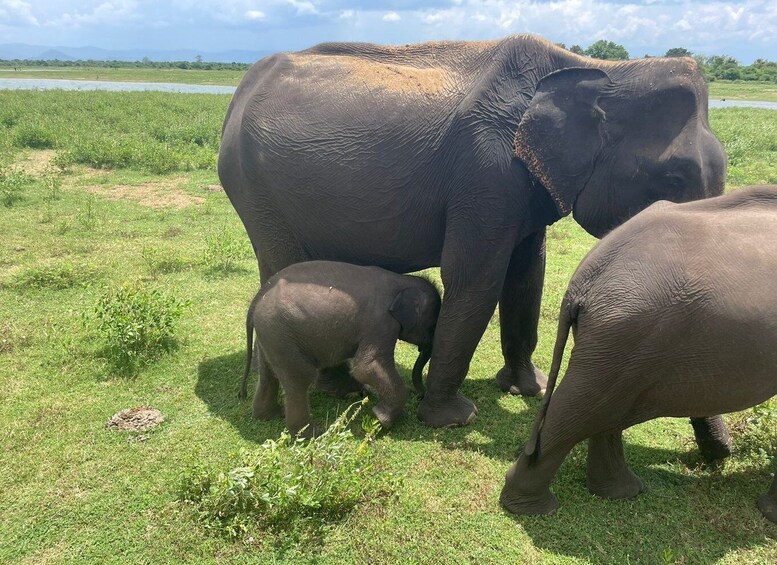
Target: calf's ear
(405,307)
(559,138)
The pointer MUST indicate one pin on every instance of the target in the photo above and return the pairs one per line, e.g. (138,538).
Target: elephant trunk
(424,354)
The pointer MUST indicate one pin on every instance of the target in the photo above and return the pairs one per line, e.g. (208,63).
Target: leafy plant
(34,137)
(87,215)
(12,185)
(137,322)
(224,249)
(161,261)
(290,484)
(54,277)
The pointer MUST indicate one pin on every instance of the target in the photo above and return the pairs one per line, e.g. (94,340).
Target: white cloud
(391,17)
(17,12)
(255,15)
(303,7)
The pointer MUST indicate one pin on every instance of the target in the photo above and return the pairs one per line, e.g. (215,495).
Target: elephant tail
(567,317)
(249,347)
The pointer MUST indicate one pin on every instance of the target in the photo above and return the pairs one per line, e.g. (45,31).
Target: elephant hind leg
(608,475)
(266,405)
(297,375)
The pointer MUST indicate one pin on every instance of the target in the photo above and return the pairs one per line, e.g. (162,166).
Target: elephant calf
(321,314)
(674,314)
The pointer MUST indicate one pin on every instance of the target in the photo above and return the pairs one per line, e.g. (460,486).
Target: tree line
(713,67)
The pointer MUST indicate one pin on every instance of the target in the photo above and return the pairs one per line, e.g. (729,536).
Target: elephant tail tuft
(567,317)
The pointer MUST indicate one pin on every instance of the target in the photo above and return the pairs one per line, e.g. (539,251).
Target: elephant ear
(405,307)
(559,136)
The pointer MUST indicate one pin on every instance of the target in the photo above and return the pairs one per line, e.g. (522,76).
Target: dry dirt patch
(138,419)
(35,163)
(160,194)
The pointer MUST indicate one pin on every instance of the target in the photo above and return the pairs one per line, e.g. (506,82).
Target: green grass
(743,90)
(73,491)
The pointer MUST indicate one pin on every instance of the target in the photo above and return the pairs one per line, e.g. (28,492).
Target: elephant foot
(266,413)
(768,507)
(622,486)
(528,505)
(712,437)
(386,416)
(309,432)
(527,381)
(446,412)
(338,382)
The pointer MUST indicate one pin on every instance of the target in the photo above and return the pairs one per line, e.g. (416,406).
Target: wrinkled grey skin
(674,314)
(320,314)
(458,155)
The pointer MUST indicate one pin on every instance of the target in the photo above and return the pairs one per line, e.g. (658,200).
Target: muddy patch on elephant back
(364,73)
(138,419)
(160,194)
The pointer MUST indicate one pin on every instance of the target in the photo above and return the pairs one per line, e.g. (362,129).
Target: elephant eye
(674,180)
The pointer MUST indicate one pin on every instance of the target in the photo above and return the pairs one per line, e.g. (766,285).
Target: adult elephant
(458,155)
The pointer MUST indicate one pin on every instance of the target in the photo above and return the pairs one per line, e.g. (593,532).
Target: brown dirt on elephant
(161,194)
(373,74)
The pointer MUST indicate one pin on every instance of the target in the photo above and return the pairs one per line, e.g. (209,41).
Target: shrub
(137,322)
(290,484)
(160,261)
(224,249)
(54,277)
(33,136)
(12,185)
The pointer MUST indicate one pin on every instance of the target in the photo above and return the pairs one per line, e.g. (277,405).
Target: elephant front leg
(519,314)
(472,273)
(712,437)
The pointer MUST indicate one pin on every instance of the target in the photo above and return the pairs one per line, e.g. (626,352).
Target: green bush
(33,136)
(224,249)
(12,185)
(54,277)
(290,485)
(137,322)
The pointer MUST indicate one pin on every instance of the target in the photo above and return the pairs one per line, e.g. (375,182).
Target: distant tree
(198,58)
(562,45)
(604,49)
(678,52)
(577,49)
(146,61)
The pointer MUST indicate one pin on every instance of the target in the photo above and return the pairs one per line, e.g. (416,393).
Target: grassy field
(92,208)
(743,90)
(731,90)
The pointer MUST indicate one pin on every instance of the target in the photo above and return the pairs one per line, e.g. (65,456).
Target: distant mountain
(49,53)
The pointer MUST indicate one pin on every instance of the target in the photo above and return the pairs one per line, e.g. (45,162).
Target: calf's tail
(249,348)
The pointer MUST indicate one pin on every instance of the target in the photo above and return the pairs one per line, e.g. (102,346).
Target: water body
(64,84)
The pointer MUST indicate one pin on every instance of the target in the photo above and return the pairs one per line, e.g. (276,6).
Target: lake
(64,84)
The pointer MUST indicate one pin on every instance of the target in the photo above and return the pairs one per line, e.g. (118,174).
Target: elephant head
(606,144)
(416,309)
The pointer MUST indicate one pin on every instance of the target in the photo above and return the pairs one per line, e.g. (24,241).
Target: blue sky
(746,29)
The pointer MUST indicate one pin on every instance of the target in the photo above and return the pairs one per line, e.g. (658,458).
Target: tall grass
(152,131)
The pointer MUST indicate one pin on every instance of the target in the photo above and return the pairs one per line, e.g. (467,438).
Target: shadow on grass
(695,517)
(687,513)
(498,431)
